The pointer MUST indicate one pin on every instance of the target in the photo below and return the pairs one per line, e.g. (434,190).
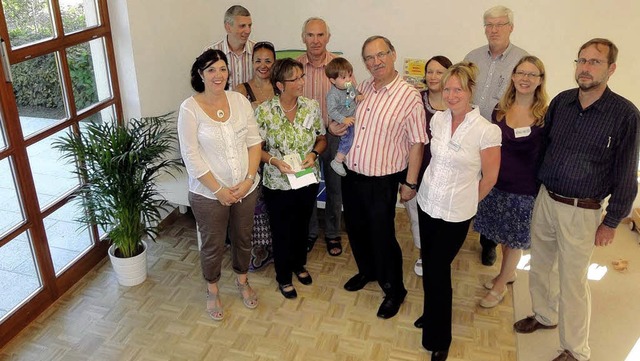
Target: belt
(586,203)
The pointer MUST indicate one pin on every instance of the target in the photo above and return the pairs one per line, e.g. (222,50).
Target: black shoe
(419,322)
(390,306)
(489,256)
(357,282)
(305,280)
(439,355)
(288,294)
(311,241)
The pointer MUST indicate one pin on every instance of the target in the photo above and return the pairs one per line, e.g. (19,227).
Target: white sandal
(492,299)
(215,312)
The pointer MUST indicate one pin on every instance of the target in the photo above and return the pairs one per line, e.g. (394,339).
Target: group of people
(480,145)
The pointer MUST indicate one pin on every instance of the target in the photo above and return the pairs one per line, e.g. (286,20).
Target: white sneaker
(338,168)
(418,267)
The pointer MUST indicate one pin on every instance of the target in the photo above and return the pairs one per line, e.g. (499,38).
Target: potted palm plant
(119,164)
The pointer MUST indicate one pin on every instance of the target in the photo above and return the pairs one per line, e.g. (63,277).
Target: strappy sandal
(334,246)
(250,301)
(215,312)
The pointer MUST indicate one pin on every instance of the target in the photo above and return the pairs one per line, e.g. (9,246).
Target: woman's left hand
(241,189)
(309,160)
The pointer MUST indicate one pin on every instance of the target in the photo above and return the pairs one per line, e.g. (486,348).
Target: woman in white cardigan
(220,146)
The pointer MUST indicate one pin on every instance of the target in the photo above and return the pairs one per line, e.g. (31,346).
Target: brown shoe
(530,324)
(565,356)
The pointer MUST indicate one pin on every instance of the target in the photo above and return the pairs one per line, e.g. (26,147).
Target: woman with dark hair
(291,127)
(504,216)
(465,150)
(432,101)
(220,146)
(259,88)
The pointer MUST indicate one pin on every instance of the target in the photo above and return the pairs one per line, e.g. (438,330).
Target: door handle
(6,66)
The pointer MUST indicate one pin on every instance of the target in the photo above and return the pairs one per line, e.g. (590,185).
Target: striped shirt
(316,84)
(388,122)
(593,152)
(240,66)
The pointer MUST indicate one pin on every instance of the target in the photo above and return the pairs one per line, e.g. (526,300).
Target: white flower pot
(130,271)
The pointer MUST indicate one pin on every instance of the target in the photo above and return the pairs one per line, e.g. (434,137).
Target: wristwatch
(410,185)
(316,153)
(250,177)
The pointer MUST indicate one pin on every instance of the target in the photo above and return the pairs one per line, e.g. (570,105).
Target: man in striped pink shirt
(316,35)
(236,45)
(390,133)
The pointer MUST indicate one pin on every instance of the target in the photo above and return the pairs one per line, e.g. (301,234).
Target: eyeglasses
(592,62)
(380,56)
(496,26)
(294,79)
(522,74)
(264,44)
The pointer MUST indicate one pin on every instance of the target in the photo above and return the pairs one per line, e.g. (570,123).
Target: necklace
(220,113)
(288,110)
(262,97)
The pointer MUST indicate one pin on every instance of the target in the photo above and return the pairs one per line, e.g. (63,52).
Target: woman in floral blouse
(289,124)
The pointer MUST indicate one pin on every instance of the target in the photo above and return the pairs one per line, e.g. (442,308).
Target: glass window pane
(68,239)
(3,132)
(37,86)
(53,176)
(19,276)
(78,15)
(89,73)
(106,115)
(11,214)
(28,21)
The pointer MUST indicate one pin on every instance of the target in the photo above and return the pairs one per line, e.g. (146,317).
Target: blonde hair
(540,97)
(465,71)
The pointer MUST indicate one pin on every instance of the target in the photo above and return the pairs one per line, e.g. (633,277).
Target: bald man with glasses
(495,62)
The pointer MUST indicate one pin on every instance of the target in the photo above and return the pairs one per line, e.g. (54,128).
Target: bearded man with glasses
(591,136)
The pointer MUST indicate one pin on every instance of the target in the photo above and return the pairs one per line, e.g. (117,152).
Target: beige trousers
(562,241)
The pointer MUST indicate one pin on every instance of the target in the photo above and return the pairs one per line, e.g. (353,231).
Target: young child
(341,106)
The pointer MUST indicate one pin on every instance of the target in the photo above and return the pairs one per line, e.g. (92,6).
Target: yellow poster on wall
(413,72)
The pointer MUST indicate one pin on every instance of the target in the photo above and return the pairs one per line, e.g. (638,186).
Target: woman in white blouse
(465,150)
(220,146)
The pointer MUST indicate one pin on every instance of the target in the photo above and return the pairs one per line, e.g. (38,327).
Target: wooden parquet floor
(165,318)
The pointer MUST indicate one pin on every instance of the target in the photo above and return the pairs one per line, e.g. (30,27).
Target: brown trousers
(213,221)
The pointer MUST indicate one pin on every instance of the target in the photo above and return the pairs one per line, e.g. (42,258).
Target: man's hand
(406,193)
(604,235)
(337,129)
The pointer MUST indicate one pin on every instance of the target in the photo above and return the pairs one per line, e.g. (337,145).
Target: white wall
(158,40)
(167,35)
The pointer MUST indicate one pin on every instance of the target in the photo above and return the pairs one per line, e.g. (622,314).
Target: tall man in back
(591,153)
(236,45)
(495,62)
(316,36)
(389,136)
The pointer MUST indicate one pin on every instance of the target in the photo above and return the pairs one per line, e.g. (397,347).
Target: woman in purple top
(432,101)
(504,216)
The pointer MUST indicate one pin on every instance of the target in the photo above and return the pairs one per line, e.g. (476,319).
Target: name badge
(308,121)
(522,132)
(454,145)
